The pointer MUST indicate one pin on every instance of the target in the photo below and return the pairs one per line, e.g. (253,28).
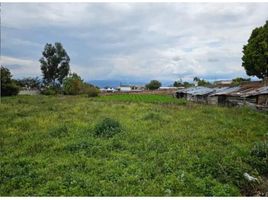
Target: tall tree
(8,85)
(255,58)
(196,79)
(238,80)
(153,85)
(54,63)
(29,82)
(178,83)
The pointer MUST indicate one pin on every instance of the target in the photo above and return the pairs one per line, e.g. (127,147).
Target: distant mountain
(116,83)
(113,83)
(105,83)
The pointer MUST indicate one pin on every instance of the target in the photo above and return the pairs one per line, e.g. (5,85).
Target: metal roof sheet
(202,91)
(226,90)
(199,90)
(234,91)
(262,90)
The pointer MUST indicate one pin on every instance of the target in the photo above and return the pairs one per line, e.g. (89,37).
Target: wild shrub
(259,157)
(260,150)
(51,90)
(108,127)
(72,85)
(90,90)
(8,85)
(10,89)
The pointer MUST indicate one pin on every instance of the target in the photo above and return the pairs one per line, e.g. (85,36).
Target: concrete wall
(29,92)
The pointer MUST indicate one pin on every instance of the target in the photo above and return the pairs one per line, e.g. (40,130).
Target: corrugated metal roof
(199,90)
(232,91)
(259,91)
(185,90)
(226,90)
(202,91)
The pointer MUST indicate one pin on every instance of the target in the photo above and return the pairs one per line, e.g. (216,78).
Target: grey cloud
(112,40)
(213,60)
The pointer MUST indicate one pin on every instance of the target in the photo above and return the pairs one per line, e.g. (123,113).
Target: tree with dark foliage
(201,82)
(238,80)
(32,83)
(8,85)
(178,83)
(153,85)
(255,58)
(54,63)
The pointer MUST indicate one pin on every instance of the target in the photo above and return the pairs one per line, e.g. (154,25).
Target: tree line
(57,77)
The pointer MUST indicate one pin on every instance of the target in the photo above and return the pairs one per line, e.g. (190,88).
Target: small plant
(259,156)
(108,127)
(260,150)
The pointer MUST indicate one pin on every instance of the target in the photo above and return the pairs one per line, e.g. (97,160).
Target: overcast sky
(134,41)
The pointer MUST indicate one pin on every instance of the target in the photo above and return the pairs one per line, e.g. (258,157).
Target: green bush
(51,90)
(153,85)
(72,85)
(108,127)
(259,157)
(260,150)
(48,91)
(91,91)
(8,85)
(10,89)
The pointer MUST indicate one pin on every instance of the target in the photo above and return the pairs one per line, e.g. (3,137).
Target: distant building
(170,88)
(259,96)
(137,87)
(29,91)
(223,83)
(219,97)
(252,94)
(124,88)
(108,90)
(197,94)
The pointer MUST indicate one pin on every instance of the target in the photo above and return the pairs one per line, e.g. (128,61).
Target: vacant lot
(49,147)
(145,98)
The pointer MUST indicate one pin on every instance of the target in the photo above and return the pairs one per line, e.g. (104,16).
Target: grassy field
(144,98)
(49,147)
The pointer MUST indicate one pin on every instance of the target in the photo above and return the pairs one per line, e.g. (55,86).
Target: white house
(170,88)
(108,90)
(124,88)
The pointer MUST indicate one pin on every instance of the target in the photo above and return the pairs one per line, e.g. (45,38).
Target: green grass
(49,147)
(144,98)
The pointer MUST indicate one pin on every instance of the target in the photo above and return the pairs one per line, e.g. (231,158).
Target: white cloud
(21,67)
